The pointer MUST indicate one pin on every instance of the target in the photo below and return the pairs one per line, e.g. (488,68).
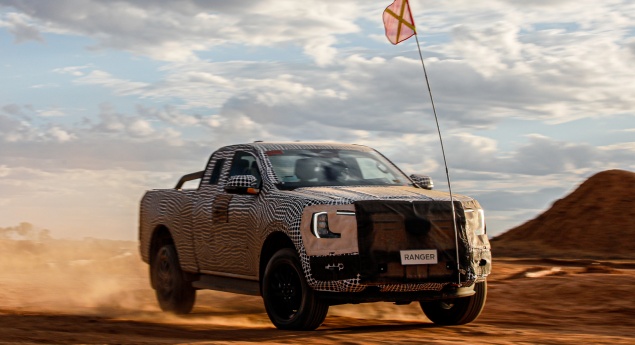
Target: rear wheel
(174,293)
(289,301)
(458,311)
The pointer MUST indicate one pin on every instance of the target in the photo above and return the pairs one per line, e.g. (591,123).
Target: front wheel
(289,301)
(458,311)
(174,293)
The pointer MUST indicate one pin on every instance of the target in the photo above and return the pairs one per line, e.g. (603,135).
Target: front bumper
(374,294)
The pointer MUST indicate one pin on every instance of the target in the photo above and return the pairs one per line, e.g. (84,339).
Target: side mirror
(242,184)
(422,181)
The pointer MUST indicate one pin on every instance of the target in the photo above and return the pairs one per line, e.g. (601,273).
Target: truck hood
(350,194)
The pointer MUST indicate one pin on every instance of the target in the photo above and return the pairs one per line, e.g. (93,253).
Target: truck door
(208,192)
(236,222)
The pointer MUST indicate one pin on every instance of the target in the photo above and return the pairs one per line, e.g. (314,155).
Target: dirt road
(96,292)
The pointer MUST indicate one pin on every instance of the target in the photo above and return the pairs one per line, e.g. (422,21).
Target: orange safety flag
(398,21)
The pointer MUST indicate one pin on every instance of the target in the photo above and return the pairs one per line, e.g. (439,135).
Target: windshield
(322,167)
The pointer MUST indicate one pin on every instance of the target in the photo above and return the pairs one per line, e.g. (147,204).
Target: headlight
(320,226)
(476,220)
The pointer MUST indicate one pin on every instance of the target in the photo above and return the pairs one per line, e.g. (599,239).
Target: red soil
(596,221)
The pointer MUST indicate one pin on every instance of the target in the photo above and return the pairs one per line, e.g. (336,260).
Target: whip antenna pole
(445,163)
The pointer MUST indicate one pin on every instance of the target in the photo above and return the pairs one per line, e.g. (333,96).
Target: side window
(216,172)
(245,164)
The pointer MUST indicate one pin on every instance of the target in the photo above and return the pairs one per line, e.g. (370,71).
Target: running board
(227,284)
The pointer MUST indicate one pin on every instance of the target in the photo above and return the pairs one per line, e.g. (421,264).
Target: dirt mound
(595,221)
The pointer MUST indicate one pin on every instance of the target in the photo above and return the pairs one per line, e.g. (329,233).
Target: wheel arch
(274,242)
(160,237)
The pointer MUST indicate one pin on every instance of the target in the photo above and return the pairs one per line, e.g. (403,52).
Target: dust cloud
(107,278)
(40,273)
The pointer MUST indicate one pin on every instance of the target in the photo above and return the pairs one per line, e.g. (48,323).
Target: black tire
(458,311)
(174,293)
(290,302)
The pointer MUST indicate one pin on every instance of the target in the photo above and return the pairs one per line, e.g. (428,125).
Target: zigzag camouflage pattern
(207,242)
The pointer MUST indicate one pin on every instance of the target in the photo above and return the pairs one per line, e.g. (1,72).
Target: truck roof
(269,146)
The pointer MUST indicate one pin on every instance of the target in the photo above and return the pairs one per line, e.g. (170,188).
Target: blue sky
(100,101)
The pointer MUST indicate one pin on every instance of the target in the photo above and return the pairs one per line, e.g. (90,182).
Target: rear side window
(216,172)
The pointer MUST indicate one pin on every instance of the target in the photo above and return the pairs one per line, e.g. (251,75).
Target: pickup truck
(310,225)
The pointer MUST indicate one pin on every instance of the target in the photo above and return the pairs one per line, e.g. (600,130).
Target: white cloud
(60,134)
(175,32)
(492,51)
(51,113)
(140,128)
(4,171)
(543,155)
(479,158)
(170,114)
(21,27)
(44,86)
(321,49)
(214,121)
(76,71)
(120,86)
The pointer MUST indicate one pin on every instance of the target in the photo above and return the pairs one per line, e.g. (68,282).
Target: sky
(102,100)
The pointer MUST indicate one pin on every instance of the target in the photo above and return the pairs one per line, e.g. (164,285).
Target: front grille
(387,227)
